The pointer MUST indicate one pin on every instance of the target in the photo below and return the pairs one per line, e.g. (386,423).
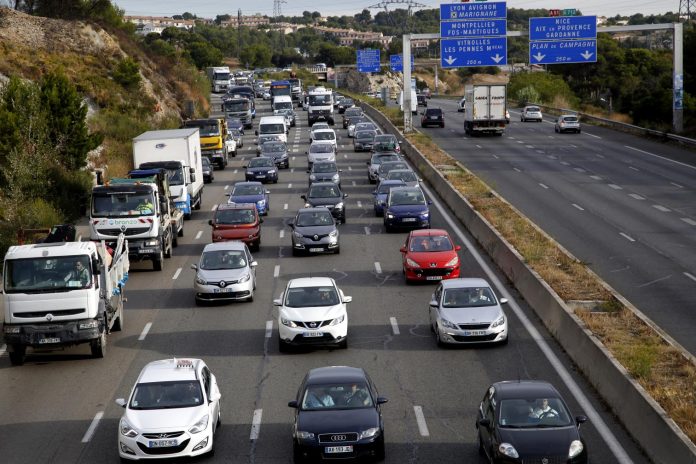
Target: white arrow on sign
(497,58)
(449,60)
(587,54)
(538,56)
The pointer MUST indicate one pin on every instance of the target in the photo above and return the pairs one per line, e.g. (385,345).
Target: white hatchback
(324,135)
(312,312)
(173,411)
(320,150)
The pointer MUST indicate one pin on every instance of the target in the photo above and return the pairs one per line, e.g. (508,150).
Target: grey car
(325,171)
(375,161)
(387,166)
(363,140)
(407,176)
(278,151)
(314,231)
(289,116)
(225,271)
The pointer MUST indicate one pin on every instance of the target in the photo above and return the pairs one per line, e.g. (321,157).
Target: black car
(338,415)
(528,421)
(329,195)
(352,112)
(262,169)
(432,117)
(344,104)
(208,175)
(325,171)
(363,140)
(277,151)
(314,231)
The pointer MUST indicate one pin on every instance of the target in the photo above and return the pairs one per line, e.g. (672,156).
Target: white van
(282,102)
(414,101)
(273,125)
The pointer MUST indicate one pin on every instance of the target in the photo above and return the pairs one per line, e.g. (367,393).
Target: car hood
(173,419)
(324,201)
(260,169)
(338,421)
(222,274)
(540,442)
(247,198)
(324,176)
(408,209)
(317,313)
(440,258)
(478,314)
(315,230)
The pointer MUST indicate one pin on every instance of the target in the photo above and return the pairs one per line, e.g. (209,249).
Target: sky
(212,8)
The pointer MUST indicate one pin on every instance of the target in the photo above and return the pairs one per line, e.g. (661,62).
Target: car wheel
(297,457)
(387,228)
(295,252)
(199,302)
(481,450)
(438,340)
(344,344)
(250,299)
(282,346)
(17,355)
(556,129)
(337,251)
(379,450)
(505,342)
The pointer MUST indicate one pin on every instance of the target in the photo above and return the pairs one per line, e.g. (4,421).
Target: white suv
(531,113)
(173,411)
(324,135)
(312,311)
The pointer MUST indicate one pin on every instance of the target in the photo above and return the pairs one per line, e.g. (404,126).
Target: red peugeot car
(239,221)
(429,254)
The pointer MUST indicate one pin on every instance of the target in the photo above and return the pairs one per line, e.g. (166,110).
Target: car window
(324,167)
(570,118)
(398,174)
(324,136)
(217,260)
(315,218)
(533,109)
(431,243)
(406,198)
(320,148)
(307,297)
(273,147)
(323,191)
(167,395)
(247,190)
(337,396)
(234,216)
(468,297)
(261,163)
(534,412)
(433,112)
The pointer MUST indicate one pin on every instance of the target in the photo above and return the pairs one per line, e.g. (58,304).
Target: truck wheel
(17,355)
(98,346)
(198,203)
(181,231)
(118,323)
(157,261)
(168,246)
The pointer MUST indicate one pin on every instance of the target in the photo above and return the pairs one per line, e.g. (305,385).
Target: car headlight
(575,448)
(151,242)
(498,322)
(338,320)
(127,430)
(245,278)
(369,433)
(508,450)
(312,177)
(272,171)
(390,216)
(307,205)
(453,262)
(425,215)
(261,202)
(200,426)
(335,178)
(89,325)
(288,323)
(339,205)
(412,263)
(304,435)
(200,281)
(448,324)
(333,234)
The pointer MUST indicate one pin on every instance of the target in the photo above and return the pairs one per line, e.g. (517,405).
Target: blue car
(251,192)
(381,192)
(406,208)
(262,169)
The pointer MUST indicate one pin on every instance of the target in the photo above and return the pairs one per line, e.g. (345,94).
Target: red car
(429,254)
(239,221)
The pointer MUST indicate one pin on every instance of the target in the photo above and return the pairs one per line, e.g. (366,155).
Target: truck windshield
(280,90)
(119,204)
(175,176)
(222,77)
(272,129)
(317,100)
(282,106)
(239,105)
(210,130)
(46,275)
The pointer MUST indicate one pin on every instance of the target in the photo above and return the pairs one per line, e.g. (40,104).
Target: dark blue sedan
(381,193)
(251,192)
(262,169)
(406,208)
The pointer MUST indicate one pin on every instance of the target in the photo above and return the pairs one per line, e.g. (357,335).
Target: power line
(687,8)
(276,8)
(411,5)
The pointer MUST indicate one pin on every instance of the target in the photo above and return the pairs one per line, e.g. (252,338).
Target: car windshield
(273,147)
(37,275)
(237,105)
(320,125)
(365,135)
(247,190)
(120,204)
(207,129)
(320,148)
(315,218)
(268,138)
(408,197)
(433,112)
(324,135)
(533,109)
(468,297)
(384,188)
(337,396)
(400,174)
(282,106)
(383,159)
(364,126)
(347,102)
(324,191)
(386,167)
(534,413)
(430,243)
(311,297)
(318,100)
(217,260)
(570,119)
(234,216)
(176,176)
(167,395)
(272,129)
(324,167)
(261,162)
(353,112)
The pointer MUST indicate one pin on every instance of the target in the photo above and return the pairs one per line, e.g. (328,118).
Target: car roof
(226,206)
(311,281)
(407,189)
(429,232)
(330,374)
(465,282)
(167,370)
(393,182)
(525,388)
(226,245)
(313,210)
(325,129)
(247,182)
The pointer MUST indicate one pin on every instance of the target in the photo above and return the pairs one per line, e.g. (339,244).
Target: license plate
(146,251)
(338,449)
(222,290)
(162,443)
(408,220)
(261,176)
(433,278)
(316,250)
(313,334)
(45,341)
(470,333)
(434,118)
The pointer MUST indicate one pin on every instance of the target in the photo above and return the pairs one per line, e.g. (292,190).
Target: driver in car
(543,411)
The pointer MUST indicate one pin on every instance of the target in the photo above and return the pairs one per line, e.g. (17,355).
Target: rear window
(434,112)
(570,118)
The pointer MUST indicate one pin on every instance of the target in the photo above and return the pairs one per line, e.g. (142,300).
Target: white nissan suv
(312,312)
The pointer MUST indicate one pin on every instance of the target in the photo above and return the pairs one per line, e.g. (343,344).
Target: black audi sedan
(328,195)
(337,416)
(528,421)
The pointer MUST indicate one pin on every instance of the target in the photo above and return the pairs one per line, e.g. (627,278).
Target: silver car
(531,113)
(225,271)
(375,161)
(467,311)
(314,231)
(567,123)
(407,176)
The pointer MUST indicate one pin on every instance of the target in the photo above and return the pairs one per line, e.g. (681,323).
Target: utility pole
(686,9)
(276,8)
(239,34)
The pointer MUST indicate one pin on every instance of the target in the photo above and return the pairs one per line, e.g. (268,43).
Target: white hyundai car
(173,411)
(312,312)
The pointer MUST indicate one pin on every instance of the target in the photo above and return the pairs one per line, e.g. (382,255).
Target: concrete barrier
(648,423)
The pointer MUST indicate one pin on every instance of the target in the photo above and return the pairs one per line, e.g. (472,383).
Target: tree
(204,55)
(219,19)
(127,73)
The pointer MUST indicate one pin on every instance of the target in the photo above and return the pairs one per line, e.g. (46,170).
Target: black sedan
(314,231)
(337,416)
(528,421)
(262,169)
(278,151)
(208,175)
(328,195)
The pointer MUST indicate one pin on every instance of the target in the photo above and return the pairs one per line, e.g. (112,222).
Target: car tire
(297,456)
(118,324)
(438,340)
(481,450)
(337,251)
(199,302)
(295,252)
(157,261)
(282,346)
(17,355)
(387,228)
(505,342)
(379,451)
(344,344)
(250,299)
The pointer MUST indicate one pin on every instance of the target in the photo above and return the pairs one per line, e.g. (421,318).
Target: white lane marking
(579,169)
(592,135)
(214,208)
(495,156)
(292,169)
(285,206)
(378,267)
(289,186)
(269,328)
(520,141)
(420,419)
(146,329)
(79,238)
(572,146)
(293,158)
(226,187)
(636,196)
(560,367)
(627,237)
(634,168)
(677,185)
(281,234)
(92,427)
(235,171)
(690,276)
(689,221)
(517,169)
(359,204)
(595,177)
(367,230)
(176,274)
(276,270)
(479,146)
(578,207)
(598,155)
(353,183)
(350,168)
(529,146)
(543,186)
(395,325)
(661,208)
(565,163)
(256,424)
(615,187)
(661,157)
(345,156)
(198,235)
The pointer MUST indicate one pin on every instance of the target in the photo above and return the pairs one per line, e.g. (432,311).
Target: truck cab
(320,106)
(213,138)
(239,107)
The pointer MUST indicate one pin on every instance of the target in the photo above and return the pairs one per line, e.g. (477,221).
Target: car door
(210,385)
(434,311)
(487,411)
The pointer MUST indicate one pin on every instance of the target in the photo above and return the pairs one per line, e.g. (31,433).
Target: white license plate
(433,278)
(222,290)
(434,118)
(162,443)
(338,449)
(473,333)
(313,334)
(45,341)
(315,250)
(408,220)
(146,251)
(260,176)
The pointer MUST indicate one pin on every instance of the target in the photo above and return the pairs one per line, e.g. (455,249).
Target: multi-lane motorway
(623,204)
(59,407)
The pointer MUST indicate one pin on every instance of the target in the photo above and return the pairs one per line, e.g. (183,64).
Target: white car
(462,105)
(312,312)
(317,126)
(225,272)
(321,150)
(567,123)
(173,411)
(531,113)
(324,135)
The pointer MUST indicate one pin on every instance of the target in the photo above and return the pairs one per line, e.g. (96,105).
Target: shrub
(127,73)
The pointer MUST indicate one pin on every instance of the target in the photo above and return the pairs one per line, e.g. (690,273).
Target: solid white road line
(543,186)
(636,196)
(595,177)
(634,168)
(627,237)
(420,419)
(603,430)
(378,267)
(256,424)
(578,207)
(146,329)
(176,274)
(235,171)
(285,206)
(359,204)
(689,221)
(269,328)
(615,187)
(592,135)
(92,427)
(690,276)
(198,235)
(661,208)
(661,157)
(517,169)
(677,185)
(276,270)
(367,230)
(395,326)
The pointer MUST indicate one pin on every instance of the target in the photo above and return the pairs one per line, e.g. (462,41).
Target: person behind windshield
(479,296)
(78,273)
(357,396)
(145,206)
(543,410)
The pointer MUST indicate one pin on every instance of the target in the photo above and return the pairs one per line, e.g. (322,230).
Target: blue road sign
(478,10)
(474,28)
(563,51)
(484,51)
(396,62)
(563,28)
(368,60)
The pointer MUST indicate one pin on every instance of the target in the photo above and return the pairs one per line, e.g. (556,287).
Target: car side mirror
(256,132)
(580,420)
(309,171)
(347,299)
(304,197)
(245,166)
(194,267)
(293,404)
(433,303)
(402,249)
(503,301)
(210,222)
(374,192)
(121,402)
(430,202)
(278,302)
(367,162)
(260,220)
(193,177)
(484,423)
(268,192)
(306,153)
(340,170)
(345,195)
(254,263)
(382,400)
(457,247)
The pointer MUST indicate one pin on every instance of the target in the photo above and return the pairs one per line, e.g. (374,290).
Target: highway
(623,204)
(59,407)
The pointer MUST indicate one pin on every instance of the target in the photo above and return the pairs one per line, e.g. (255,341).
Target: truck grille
(128,232)
(43,314)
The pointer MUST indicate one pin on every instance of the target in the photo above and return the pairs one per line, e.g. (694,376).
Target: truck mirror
(192,170)
(193,177)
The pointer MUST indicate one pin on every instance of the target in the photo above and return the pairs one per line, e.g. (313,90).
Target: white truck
(485,108)
(220,78)
(62,294)
(414,101)
(178,151)
(320,105)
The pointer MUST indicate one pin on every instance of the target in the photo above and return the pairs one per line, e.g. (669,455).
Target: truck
(239,107)
(214,142)
(414,101)
(182,147)
(296,90)
(485,107)
(280,88)
(320,105)
(219,77)
(281,102)
(158,173)
(62,294)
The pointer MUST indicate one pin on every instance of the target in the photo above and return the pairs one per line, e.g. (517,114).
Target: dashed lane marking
(689,221)
(627,237)
(367,230)
(269,328)
(543,186)
(359,204)
(420,419)
(226,187)
(276,270)
(636,196)
(677,185)
(661,208)
(615,187)
(198,235)
(378,267)
(281,234)
(395,326)
(146,329)
(92,427)
(690,276)
(578,207)
(176,274)
(289,186)
(214,208)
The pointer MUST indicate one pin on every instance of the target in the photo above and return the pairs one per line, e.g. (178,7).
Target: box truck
(485,109)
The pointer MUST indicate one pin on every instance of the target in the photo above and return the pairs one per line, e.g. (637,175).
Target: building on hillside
(346,37)
(287,28)
(149,24)
(247,21)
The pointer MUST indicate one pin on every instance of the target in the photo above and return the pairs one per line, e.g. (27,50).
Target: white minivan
(273,125)
(281,102)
